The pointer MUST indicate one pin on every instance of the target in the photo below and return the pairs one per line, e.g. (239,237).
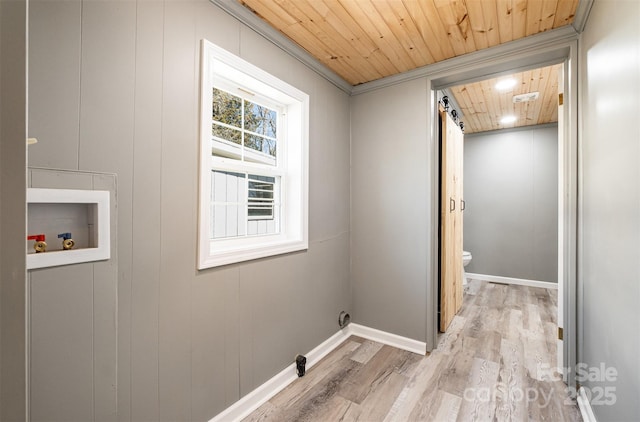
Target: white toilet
(466,258)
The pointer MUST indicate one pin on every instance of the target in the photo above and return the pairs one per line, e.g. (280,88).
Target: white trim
(247,404)
(292,162)
(389,339)
(101,223)
(511,280)
(562,134)
(256,398)
(585,406)
(582,15)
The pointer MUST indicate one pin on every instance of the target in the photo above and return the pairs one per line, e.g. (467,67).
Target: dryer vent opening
(343,319)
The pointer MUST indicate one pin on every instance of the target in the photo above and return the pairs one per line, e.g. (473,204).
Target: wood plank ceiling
(366,40)
(483,104)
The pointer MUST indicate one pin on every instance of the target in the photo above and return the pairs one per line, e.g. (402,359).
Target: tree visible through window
(236,120)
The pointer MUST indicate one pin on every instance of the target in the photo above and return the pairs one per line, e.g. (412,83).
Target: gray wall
(511,195)
(72,313)
(13,342)
(610,247)
(114,89)
(390,205)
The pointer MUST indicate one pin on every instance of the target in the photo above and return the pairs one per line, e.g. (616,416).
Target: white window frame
(291,162)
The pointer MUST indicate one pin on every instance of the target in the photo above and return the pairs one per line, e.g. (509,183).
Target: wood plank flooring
(491,364)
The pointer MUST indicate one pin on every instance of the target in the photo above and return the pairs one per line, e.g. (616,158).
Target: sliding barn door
(452,206)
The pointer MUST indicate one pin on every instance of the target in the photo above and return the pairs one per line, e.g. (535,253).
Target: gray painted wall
(13,341)
(72,313)
(511,195)
(610,247)
(390,206)
(114,89)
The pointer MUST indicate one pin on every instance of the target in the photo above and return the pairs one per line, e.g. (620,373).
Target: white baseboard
(511,280)
(585,407)
(247,404)
(394,340)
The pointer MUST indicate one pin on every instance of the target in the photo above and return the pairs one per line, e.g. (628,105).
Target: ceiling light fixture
(523,98)
(506,84)
(508,119)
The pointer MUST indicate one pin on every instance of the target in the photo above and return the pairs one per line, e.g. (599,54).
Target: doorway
(564,53)
(511,163)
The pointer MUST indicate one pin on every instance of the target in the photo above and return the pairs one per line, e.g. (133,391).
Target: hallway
(493,363)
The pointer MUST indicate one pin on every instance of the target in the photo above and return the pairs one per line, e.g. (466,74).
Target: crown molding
(582,14)
(542,48)
(245,16)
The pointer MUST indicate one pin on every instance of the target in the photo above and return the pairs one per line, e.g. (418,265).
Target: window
(253,162)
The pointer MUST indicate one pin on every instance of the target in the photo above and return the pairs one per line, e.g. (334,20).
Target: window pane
(264,225)
(261,197)
(228,134)
(228,193)
(260,119)
(258,143)
(227,108)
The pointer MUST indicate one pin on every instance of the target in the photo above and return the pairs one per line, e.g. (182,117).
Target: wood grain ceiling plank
(343,21)
(468,108)
(483,117)
(519,18)
(505,106)
(565,13)
(545,83)
(455,19)
(549,98)
(366,15)
(523,86)
(498,108)
(372,53)
(430,10)
(355,40)
(340,49)
(269,12)
(478,105)
(505,20)
(478,24)
(472,121)
(490,12)
(405,31)
(461,13)
(553,93)
(534,15)
(482,102)
(549,9)
(434,37)
(533,107)
(288,25)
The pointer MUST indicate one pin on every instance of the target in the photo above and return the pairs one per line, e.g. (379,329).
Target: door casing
(490,65)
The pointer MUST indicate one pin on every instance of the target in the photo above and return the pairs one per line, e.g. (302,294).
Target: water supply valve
(67,241)
(40,244)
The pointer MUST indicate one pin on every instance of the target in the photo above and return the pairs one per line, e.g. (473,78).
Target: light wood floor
(491,364)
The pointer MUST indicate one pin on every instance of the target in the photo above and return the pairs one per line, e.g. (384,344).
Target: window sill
(248,253)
